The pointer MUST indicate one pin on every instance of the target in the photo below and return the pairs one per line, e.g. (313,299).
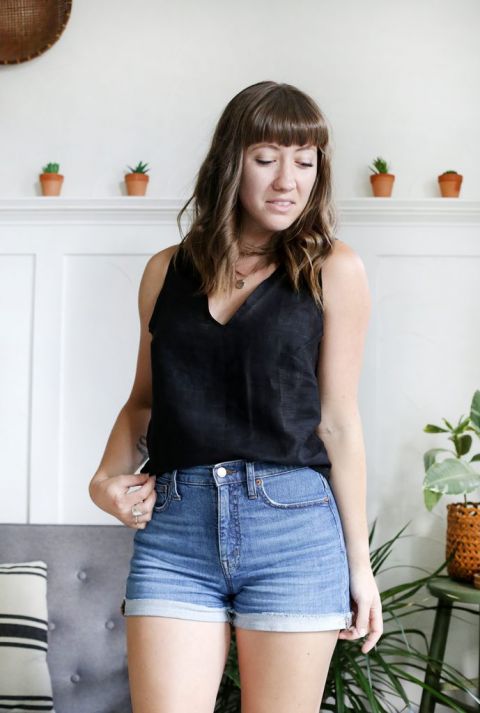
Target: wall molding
(144,210)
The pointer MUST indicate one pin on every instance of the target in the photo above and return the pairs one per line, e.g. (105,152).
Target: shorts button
(221,471)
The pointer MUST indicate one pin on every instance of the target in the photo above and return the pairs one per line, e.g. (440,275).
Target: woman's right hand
(112,495)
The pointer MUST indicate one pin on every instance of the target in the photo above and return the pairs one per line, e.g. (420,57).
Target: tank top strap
(168,285)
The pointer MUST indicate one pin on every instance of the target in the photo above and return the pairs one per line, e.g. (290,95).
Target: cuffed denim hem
(172,608)
(276,621)
(264,621)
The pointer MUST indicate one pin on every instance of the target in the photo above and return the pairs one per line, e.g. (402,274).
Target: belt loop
(251,486)
(176,495)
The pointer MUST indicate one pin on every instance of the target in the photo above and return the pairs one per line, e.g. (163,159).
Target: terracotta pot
(51,183)
(382,184)
(450,184)
(463,535)
(136,183)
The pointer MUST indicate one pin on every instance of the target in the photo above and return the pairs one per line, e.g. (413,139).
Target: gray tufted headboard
(87,569)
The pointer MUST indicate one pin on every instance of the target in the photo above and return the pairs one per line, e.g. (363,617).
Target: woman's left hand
(366,607)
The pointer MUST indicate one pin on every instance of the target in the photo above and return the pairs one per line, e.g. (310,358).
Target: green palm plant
(361,683)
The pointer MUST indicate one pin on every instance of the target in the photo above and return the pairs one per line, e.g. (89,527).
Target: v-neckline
(253,297)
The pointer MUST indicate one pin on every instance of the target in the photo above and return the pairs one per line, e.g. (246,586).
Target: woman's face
(271,174)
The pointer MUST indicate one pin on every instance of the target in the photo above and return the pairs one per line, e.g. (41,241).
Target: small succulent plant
(381,166)
(449,172)
(51,168)
(139,168)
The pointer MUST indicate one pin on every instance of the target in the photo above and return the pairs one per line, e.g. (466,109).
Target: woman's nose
(285,178)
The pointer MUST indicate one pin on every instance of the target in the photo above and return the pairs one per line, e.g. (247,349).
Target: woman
(256,318)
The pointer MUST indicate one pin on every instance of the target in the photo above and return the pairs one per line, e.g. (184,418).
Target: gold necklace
(239,283)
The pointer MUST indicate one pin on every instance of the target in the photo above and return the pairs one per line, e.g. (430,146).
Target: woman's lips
(280,206)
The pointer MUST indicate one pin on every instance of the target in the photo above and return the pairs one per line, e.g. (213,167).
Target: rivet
(82,575)
(258,481)
(110,624)
(74,678)
(221,471)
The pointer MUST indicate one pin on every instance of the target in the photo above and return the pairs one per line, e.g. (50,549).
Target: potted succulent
(382,180)
(137,180)
(455,475)
(50,180)
(381,680)
(450,183)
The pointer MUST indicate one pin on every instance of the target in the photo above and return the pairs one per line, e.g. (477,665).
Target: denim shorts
(256,544)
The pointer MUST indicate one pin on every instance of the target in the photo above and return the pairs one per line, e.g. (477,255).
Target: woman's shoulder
(153,277)
(342,260)
(343,274)
(159,262)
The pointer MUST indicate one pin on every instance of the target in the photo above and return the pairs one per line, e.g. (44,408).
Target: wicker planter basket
(463,530)
(30,27)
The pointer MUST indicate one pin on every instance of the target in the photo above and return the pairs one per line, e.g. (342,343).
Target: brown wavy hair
(273,112)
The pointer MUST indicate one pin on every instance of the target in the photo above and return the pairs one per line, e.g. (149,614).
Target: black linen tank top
(246,389)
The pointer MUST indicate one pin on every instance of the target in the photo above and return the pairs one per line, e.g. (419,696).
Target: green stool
(448,591)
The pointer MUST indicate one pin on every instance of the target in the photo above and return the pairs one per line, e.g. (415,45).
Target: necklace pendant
(239,283)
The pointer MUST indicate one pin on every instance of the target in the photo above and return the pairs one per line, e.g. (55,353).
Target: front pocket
(163,492)
(296,488)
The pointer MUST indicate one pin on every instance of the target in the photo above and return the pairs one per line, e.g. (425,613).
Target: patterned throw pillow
(25,683)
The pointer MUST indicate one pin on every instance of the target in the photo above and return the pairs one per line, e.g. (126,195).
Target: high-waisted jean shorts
(256,544)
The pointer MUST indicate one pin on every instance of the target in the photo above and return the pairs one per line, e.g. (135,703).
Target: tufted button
(74,678)
(221,471)
(52,625)
(110,624)
(82,575)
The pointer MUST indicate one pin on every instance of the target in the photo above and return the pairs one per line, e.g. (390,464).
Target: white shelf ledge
(143,209)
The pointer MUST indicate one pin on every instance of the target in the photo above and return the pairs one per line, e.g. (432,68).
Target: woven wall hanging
(30,27)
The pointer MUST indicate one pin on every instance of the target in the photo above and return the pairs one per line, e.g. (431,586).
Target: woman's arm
(126,450)
(347,309)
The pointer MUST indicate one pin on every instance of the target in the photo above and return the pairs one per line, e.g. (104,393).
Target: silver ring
(136,512)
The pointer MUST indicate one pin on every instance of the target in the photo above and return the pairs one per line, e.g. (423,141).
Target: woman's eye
(264,163)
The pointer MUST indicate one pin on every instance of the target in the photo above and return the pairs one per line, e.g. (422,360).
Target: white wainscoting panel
(70,329)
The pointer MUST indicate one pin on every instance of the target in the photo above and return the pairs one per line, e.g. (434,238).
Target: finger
(362,620)
(147,487)
(133,489)
(375,631)
(349,634)
(371,641)
(376,627)
(139,523)
(142,506)
(133,525)
(132,480)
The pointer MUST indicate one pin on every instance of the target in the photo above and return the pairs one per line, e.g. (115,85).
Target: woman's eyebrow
(310,147)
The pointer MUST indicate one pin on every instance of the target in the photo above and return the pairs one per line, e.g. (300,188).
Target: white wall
(148,80)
